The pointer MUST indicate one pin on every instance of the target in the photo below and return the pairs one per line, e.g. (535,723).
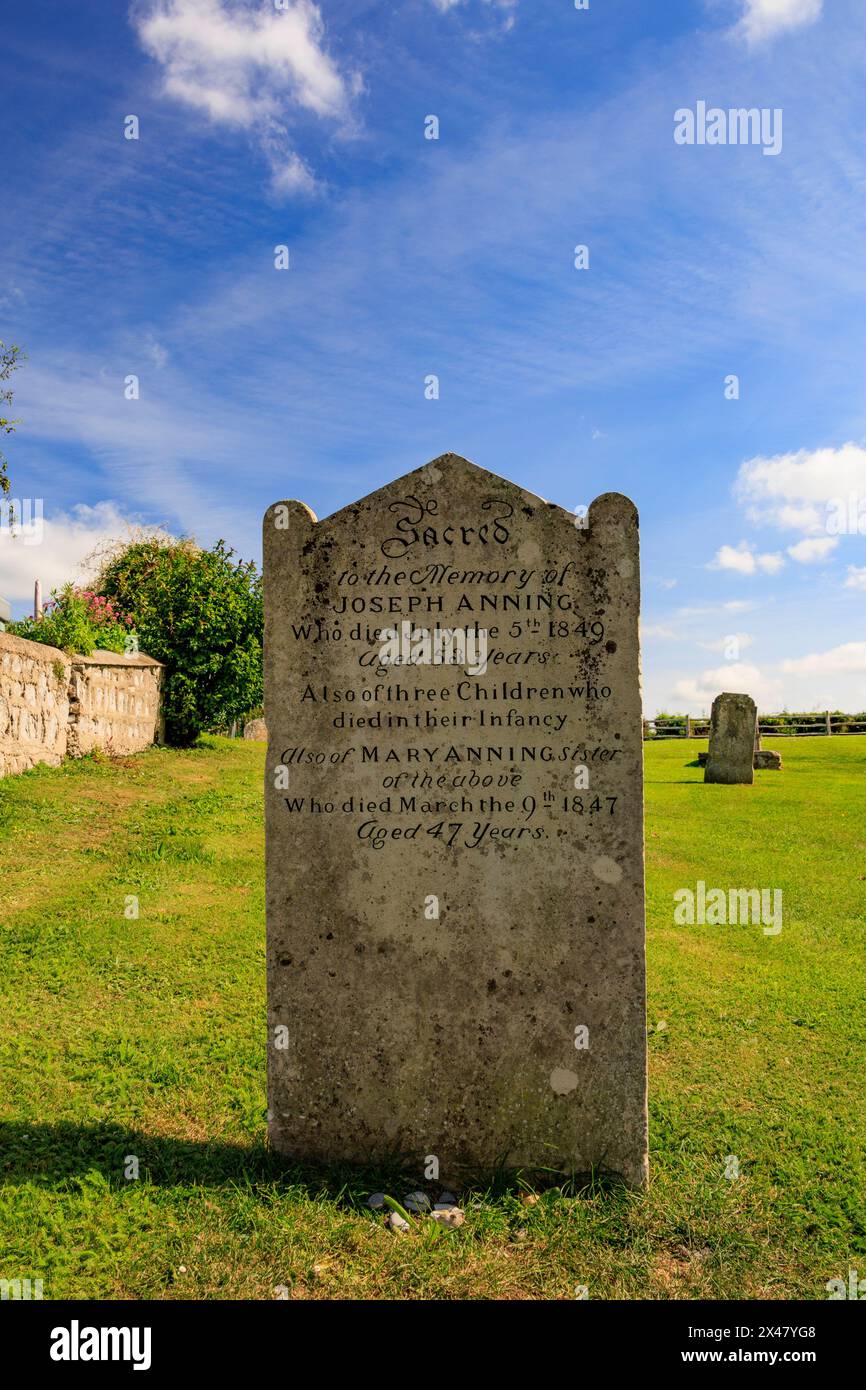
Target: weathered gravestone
(763,760)
(733,723)
(455,887)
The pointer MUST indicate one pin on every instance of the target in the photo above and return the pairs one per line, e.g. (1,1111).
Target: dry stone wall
(34,704)
(114,704)
(53,704)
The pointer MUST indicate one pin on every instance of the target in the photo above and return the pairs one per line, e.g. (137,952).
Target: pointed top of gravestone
(449,468)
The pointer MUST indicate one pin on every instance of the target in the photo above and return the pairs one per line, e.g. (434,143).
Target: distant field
(145,1038)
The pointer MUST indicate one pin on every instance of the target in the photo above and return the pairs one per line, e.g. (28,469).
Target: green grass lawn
(146,1038)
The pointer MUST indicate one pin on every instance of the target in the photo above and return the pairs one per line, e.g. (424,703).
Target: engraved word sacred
(410,530)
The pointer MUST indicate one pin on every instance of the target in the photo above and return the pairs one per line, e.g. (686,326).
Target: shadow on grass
(676,781)
(65,1155)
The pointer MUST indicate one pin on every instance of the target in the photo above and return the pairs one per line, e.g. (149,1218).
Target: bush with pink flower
(79,620)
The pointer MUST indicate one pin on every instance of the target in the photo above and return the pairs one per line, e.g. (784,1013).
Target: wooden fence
(769,725)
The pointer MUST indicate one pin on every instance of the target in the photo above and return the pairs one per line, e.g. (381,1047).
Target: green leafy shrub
(200,612)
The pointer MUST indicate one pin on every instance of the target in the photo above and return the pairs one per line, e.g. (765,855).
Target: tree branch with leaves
(11,359)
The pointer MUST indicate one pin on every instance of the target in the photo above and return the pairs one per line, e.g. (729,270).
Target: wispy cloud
(734,605)
(764,19)
(158,453)
(849,657)
(740,640)
(445,5)
(156,352)
(54,548)
(246,68)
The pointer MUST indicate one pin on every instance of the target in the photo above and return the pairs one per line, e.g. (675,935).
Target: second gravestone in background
(733,735)
(455,876)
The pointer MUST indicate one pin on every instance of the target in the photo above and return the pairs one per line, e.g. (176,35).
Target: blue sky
(285,123)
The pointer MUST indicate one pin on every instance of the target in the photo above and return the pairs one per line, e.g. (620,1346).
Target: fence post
(829,726)
(688,726)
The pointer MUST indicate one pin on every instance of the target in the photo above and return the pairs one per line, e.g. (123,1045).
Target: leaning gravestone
(733,724)
(454,808)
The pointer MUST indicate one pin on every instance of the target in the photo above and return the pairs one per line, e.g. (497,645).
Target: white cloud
(291,175)
(806,518)
(856,577)
(242,67)
(794,491)
(54,549)
(742,639)
(813,549)
(763,19)
(734,605)
(850,656)
(742,560)
(666,634)
(736,676)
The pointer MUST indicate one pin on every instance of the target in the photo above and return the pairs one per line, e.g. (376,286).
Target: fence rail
(769,725)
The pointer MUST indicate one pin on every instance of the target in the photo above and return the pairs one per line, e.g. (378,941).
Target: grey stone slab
(456,963)
(733,724)
(766,760)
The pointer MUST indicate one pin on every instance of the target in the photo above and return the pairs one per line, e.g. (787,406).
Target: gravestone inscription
(454,817)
